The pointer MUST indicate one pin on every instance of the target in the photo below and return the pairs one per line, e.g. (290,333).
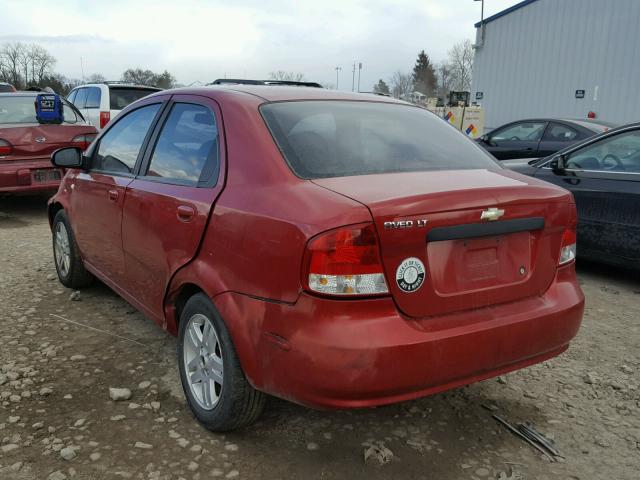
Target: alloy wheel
(203,364)
(62,249)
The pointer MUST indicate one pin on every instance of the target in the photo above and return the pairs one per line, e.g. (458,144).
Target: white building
(559,58)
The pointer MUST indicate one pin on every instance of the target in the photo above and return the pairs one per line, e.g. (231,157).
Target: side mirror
(484,138)
(69,157)
(557,164)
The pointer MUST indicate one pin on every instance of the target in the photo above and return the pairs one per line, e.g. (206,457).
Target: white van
(101,102)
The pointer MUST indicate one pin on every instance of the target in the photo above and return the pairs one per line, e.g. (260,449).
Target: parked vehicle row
(333,249)
(26,145)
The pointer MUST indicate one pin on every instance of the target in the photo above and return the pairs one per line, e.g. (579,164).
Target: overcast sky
(201,40)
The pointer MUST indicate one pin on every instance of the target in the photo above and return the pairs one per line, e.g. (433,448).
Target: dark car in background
(603,173)
(26,145)
(540,137)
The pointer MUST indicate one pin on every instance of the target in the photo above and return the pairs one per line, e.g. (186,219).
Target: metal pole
(353,78)
(337,76)
(359,69)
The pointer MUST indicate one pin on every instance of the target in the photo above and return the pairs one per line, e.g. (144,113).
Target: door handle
(113,195)
(186,213)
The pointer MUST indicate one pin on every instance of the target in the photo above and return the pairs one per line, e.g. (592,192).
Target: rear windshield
(120,97)
(22,109)
(321,139)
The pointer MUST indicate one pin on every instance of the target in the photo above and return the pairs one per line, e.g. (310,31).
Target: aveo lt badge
(410,274)
(422,222)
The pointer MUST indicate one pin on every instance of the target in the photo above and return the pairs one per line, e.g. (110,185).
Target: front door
(604,178)
(99,193)
(516,140)
(167,206)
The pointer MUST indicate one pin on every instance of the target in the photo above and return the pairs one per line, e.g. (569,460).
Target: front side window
(619,153)
(93,98)
(187,143)
(81,97)
(120,146)
(524,131)
(321,139)
(556,132)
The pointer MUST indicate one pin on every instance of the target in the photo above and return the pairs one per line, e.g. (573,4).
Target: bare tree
(22,64)
(443,77)
(10,57)
(286,76)
(96,78)
(42,63)
(401,84)
(461,63)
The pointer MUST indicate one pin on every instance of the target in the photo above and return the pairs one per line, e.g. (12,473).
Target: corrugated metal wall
(535,58)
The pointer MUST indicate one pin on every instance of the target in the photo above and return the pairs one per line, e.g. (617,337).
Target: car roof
(22,94)
(277,93)
(118,85)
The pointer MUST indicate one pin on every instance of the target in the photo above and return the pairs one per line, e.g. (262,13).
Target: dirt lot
(57,420)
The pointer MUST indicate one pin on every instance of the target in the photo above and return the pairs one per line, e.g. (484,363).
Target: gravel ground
(57,419)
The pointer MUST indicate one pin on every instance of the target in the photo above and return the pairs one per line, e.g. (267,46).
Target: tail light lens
(83,141)
(104,118)
(568,245)
(345,262)
(5,148)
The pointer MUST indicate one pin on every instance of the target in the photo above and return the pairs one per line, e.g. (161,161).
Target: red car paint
(489,305)
(27,167)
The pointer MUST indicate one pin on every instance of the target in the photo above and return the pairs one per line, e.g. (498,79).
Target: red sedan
(26,145)
(338,250)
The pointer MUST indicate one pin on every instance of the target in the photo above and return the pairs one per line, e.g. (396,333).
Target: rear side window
(81,98)
(120,146)
(120,97)
(321,139)
(187,147)
(556,132)
(93,98)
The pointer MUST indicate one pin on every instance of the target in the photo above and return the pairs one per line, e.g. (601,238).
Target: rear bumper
(18,176)
(347,354)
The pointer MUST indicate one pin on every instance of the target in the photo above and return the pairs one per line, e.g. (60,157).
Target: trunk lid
(39,140)
(468,262)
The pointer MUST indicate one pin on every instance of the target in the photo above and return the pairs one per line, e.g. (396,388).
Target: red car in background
(26,145)
(6,87)
(335,249)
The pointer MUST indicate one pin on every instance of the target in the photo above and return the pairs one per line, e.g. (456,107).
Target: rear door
(92,106)
(556,137)
(167,206)
(80,100)
(604,178)
(516,140)
(99,193)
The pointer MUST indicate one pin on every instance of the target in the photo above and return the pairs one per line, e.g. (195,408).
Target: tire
(66,256)
(207,361)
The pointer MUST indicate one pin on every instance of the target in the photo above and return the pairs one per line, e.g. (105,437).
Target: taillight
(83,141)
(5,148)
(104,118)
(568,244)
(345,262)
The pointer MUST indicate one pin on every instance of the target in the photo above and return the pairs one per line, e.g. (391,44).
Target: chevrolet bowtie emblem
(492,214)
